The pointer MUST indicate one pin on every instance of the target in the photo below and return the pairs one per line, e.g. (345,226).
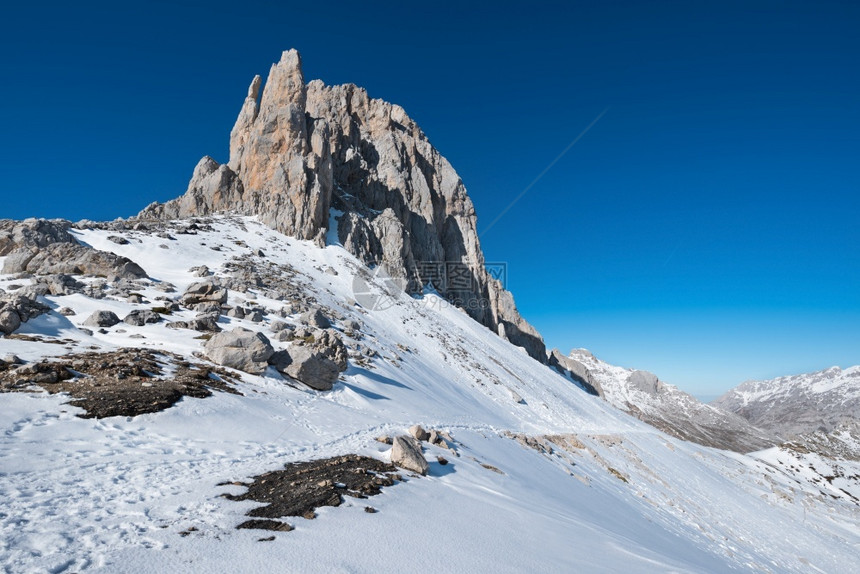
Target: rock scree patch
(302,487)
(127,382)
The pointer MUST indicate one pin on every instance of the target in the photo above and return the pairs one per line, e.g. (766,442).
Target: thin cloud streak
(544,172)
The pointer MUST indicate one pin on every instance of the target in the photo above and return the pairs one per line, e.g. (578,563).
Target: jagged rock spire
(250,109)
(298,149)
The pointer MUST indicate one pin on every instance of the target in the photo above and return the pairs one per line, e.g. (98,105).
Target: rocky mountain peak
(305,156)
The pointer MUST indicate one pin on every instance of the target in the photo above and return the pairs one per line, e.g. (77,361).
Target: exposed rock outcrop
(126,382)
(18,309)
(71,259)
(577,371)
(45,247)
(212,185)
(204,292)
(302,487)
(240,349)
(645,382)
(33,234)
(299,149)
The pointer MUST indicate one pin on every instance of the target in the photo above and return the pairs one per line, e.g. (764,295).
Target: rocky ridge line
(796,405)
(663,406)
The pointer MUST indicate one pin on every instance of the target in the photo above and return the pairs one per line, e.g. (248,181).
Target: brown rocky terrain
(303,487)
(127,382)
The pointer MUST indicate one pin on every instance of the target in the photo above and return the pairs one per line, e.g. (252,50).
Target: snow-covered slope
(603,493)
(830,461)
(798,404)
(818,416)
(666,407)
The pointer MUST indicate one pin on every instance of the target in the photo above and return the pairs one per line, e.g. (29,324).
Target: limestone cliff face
(299,150)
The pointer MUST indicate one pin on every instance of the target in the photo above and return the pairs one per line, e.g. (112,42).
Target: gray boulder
(141,317)
(406,453)
(64,285)
(207,322)
(34,290)
(315,318)
(207,307)
(16,262)
(307,366)
(419,433)
(240,349)
(280,360)
(352,325)
(438,439)
(236,312)
(102,319)
(18,309)
(285,335)
(209,292)
(9,321)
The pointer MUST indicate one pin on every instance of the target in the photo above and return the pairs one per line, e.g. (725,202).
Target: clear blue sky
(707,228)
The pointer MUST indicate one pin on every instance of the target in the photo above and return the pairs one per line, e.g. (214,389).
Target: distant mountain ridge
(807,426)
(798,404)
(645,396)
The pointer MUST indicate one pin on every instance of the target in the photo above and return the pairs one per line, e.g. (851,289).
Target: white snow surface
(113,495)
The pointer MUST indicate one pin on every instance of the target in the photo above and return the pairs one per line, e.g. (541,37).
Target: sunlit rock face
(302,152)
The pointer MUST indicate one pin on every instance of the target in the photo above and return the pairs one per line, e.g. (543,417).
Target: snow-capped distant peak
(798,404)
